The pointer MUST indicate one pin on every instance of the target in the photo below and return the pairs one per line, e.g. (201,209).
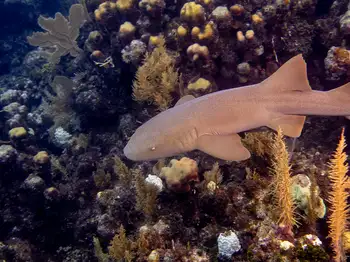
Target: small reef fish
(211,123)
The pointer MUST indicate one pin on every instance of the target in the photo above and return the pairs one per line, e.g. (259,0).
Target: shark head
(150,143)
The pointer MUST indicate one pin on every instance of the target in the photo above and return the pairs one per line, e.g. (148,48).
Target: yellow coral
(126,29)
(200,84)
(124,5)
(152,5)
(157,78)
(205,2)
(240,36)
(98,15)
(17,132)
(180,173)
(181,31)
(196,51)
(154,256)
(257,19)
(155,40)
(249,34)
(346,239)
(192,12)
(41,157)
(208,32)
(237,9)
(339,217)
(103,9)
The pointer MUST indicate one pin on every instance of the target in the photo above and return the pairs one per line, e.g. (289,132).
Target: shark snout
(129,152)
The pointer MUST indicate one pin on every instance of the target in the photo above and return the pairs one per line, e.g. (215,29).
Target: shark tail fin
(342,91)
(291,76)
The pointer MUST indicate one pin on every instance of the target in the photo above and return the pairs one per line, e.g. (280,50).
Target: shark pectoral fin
(228,147)
(291,125)
(184,99)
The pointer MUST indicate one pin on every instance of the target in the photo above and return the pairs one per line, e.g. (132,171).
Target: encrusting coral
(339,208)
(180,173)
(192,12)
(199,87)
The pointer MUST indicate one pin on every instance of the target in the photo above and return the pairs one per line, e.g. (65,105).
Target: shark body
(211,123)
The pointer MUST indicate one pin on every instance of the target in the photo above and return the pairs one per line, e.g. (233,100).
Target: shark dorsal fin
(291,76)
(184,99)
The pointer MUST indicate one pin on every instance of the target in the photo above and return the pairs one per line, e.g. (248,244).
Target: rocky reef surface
(74,88)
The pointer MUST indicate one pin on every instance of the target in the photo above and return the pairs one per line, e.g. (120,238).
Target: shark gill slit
(187,141)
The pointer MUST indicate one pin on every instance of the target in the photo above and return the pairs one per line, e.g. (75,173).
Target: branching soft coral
(338,219)
(157,78)
(282,182)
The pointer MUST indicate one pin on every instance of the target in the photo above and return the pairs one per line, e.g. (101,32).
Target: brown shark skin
(287,92)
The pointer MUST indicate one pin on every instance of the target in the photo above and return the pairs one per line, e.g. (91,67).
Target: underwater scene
(174,130)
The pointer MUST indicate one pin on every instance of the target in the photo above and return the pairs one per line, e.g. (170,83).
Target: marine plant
(213,178)
(124,248)
(282,182)
(259,143)
(339,208)
(122,171)
(146,194)
(59,106)
(102,179)
(99,254)
(120,246)
(157,78)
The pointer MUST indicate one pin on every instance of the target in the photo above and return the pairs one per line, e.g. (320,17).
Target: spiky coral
(259,143)
(156,78)
(120,246)
(338,199)
(282,182)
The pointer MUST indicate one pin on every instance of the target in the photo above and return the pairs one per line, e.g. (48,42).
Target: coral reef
(72,95)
